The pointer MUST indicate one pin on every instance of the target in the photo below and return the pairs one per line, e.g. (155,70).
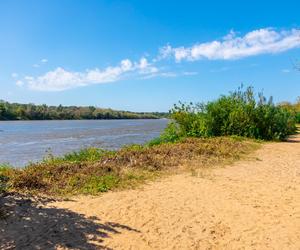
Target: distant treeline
(16,111)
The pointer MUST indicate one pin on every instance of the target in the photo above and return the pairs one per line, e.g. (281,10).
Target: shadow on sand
(294,138)
(28,224)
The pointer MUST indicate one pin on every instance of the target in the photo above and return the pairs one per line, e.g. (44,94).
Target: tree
(15,111)
(2,111)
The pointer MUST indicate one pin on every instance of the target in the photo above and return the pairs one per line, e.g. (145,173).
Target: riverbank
(250,204)
(93,171)
(182,213)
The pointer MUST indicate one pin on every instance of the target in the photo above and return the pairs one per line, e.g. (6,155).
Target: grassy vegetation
(238,113)
(4,173)
(83,155)
(92,171)
(293,108)
(211,133)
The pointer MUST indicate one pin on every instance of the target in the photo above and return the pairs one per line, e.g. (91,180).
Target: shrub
(298,117)
(238,113)
(171,134)
(293,108)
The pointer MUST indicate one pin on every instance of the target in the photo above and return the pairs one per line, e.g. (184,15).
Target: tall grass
(84,155)
(238,113)
(5,169)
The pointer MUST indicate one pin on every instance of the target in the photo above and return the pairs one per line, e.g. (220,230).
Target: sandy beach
(252,204)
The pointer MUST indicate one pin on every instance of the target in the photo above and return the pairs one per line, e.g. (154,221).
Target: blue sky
(146,55)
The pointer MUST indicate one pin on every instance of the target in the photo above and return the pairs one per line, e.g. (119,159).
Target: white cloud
(286,71)
(145,67)
(14,75)
(159,74)
(231,46)
(61,79)
(28,78)
(262,41)
(19,83)
(42,61)
(164,52)
(168,74)
(190,73)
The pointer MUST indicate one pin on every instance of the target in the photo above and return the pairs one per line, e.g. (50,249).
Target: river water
(25,141)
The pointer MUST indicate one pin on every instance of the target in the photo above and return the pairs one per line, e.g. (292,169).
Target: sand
(252,204)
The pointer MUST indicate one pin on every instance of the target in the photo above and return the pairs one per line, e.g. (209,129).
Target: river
(22,142)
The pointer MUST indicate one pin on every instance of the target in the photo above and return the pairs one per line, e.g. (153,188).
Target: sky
(146,55)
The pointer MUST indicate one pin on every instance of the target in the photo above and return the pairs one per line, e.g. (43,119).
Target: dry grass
(127,167)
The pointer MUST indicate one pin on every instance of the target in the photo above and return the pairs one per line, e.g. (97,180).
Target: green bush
(298,117)
(238,113)
(170,134)
(293,108)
